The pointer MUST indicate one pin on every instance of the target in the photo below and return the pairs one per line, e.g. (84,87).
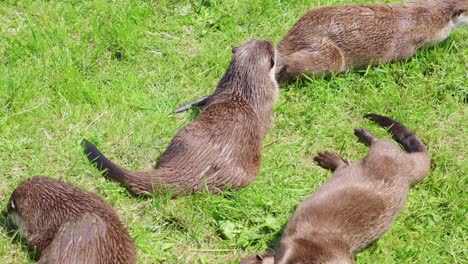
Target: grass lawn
(112,71)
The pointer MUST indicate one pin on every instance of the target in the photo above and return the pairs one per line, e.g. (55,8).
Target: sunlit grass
(112,71)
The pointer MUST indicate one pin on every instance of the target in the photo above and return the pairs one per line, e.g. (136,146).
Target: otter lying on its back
(66,224)
(222,146)
(358,204)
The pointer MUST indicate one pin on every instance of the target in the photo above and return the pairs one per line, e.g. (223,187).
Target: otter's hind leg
(321,58)
(364,136)
(330,161)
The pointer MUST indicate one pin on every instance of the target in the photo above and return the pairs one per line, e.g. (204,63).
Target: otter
(336,39)
(358,204)
(222,147)
(341,38)
(66,224)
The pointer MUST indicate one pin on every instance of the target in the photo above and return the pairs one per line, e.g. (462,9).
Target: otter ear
(234,49)
(12,205)
(272,62)
(259,257)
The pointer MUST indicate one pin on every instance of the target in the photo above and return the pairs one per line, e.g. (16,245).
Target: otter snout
(460,18)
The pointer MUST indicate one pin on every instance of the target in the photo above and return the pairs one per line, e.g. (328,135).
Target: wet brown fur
(340,38)
(358,204)
(335,39)
(222,146)
(66,224)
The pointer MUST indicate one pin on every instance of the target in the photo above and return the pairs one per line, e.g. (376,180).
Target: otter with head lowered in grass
(66,224)
(222,147)
(358,204)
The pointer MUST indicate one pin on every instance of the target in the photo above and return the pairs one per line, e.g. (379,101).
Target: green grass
(111,71)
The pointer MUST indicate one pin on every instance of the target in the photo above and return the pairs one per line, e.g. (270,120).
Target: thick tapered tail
(138,183)
(109,168)
(402,134)
(198,102)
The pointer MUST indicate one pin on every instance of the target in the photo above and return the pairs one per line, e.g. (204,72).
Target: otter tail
(198,102)
(402,134)
(137,182)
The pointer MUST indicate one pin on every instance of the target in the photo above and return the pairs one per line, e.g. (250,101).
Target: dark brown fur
(222,146)
(66,224)
(336,39)
(358,204)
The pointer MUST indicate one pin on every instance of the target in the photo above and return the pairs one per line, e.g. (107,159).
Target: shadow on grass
(195,111)
(275,241)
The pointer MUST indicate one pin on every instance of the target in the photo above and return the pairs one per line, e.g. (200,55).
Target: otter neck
(257,88)
(324,246)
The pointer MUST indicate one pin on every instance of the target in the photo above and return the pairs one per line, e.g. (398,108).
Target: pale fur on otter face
(459,11)
(222,147)
(460,18)
(66,224)
(16,219)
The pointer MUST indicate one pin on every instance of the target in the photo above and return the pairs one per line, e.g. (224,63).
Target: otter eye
(234,49)
(458,13)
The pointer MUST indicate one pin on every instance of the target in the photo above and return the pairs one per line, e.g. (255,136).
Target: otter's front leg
(330,161)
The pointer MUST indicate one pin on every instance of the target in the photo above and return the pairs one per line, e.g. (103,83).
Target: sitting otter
(222,146)
(358,204)
(336,39)
(66,224)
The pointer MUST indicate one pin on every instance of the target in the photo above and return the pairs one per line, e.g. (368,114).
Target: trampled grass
(112,71)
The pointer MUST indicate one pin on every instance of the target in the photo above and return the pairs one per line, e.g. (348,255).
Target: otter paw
(329,161)
(364,136)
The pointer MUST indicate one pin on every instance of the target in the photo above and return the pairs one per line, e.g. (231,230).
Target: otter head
(304,251)
(251,73)
(19,204)
(257,54)
(460,13)
(457,9)
(38,210)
